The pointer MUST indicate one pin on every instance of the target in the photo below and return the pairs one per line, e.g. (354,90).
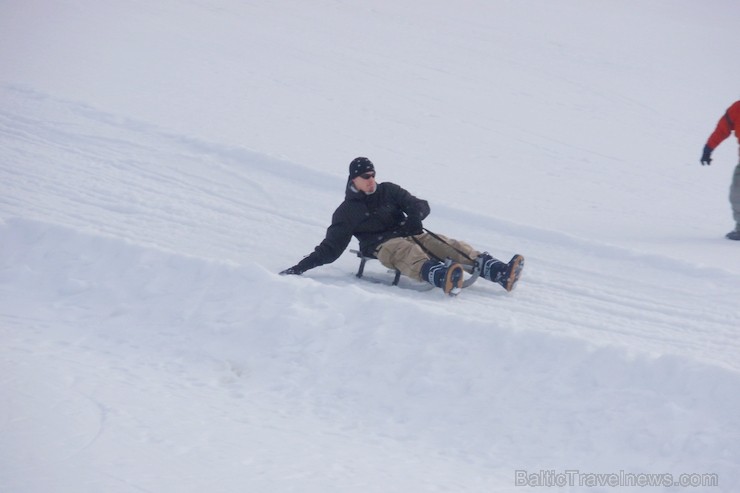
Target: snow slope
(160,162)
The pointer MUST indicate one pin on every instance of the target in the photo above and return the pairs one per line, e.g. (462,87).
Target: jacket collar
(351,193)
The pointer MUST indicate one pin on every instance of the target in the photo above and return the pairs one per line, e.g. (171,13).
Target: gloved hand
(292,271)
(412,226)
(706,156)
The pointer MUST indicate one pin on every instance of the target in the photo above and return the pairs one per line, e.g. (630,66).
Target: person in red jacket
(726,125)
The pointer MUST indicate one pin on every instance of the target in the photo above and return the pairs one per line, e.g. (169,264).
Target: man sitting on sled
(387,221)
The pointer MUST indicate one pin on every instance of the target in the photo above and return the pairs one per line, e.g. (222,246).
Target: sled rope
(425,249)
(436,237)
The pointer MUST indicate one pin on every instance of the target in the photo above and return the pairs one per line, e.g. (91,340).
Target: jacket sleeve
(725,126)
(411,205)
(338,236)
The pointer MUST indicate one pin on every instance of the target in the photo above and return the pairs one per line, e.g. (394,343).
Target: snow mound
(143,361)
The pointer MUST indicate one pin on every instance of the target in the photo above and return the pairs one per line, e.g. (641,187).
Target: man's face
(365,182)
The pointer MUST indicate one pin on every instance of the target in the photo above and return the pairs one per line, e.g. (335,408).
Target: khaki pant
(405,255)
(735,196)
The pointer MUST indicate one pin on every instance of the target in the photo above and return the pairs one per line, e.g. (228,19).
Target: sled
(472,270)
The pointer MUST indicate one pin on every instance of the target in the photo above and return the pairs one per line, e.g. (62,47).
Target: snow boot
(733,235)
(439,274)
(496,271)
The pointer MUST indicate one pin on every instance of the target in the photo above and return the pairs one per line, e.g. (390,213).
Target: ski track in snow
(688,311)
(153,314)
(141,263)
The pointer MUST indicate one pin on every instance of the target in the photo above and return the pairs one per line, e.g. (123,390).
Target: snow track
(149,344)
(121,352)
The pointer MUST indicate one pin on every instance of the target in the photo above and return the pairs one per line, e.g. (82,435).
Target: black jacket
(372,219)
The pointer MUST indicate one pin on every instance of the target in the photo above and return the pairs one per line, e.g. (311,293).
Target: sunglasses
(367,176)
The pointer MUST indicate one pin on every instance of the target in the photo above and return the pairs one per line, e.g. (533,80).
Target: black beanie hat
(360,165)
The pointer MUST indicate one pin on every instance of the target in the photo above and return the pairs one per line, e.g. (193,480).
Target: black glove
(412,226)
(292,271)
(706,156)
(307,263)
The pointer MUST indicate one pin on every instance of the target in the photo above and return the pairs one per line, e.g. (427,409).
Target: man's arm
(338,236)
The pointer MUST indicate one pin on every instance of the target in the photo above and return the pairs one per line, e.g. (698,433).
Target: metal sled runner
(474,271)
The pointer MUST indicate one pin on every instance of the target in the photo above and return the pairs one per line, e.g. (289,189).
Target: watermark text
(577,478)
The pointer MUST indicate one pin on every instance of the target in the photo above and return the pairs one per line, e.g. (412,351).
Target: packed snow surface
(161,162)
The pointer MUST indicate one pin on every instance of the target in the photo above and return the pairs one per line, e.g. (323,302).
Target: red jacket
(725,126)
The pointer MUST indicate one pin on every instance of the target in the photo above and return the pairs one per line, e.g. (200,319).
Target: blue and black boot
(499,272)
(439,274)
